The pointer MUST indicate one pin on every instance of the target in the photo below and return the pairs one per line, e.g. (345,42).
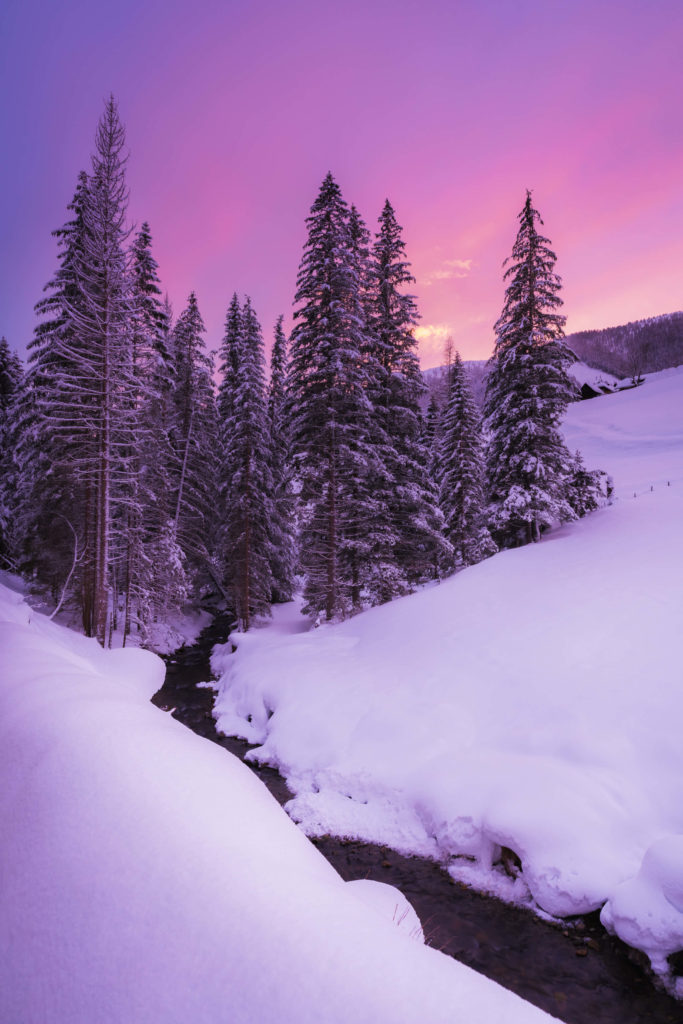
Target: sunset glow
(236,111)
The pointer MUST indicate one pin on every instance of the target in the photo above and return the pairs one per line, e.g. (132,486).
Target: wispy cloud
(447,270)
(433,332)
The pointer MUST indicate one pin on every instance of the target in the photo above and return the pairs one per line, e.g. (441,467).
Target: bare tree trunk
(89,569)
(74,563)
(103,497)
(126,615)
(182,473)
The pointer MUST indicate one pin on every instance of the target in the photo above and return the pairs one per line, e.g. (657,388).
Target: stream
(577,972)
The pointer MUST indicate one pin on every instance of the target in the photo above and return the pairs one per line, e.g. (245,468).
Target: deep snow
(147,877)
(532,702)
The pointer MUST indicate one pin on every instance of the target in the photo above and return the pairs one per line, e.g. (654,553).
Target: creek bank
(575,971)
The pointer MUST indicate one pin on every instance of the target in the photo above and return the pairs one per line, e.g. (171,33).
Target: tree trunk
(331,598)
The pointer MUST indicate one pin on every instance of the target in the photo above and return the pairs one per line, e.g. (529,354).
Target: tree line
(131,483)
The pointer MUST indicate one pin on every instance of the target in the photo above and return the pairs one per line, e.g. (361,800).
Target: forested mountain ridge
(640,346)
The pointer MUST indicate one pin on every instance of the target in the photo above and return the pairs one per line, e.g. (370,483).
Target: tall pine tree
(81,380)
(412,498)
(250,513)
(50,501)
(527,393)
(462,473)
(283,522)
(195,441)
(331,410)
(103,433)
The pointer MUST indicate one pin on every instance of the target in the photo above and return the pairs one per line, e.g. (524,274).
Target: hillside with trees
(642,346)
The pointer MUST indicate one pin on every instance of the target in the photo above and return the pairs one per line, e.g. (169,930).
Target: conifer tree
(588,489)
(147,510)
(81,375)
(195,441)
(229,356)
(50,502)
(412,499)
(250,511)
(527,393)
(377,537)
(102,381)
(462,473)
(331,411)
(283,521)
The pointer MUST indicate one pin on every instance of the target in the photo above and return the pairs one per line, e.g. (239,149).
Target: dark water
(580,974)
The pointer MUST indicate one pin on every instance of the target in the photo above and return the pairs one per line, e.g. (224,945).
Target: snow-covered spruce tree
(81,371)
(462,473)
(102,435)
(229,360)
(195,442)
(250,511)
(283,564)
(11,391)
(377,538)
(527,392)
(588,489)
(412,500)
(227,389)
(50,502)
(331,411)
(147,512)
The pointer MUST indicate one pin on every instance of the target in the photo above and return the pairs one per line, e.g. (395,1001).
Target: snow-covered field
(147,877)
(534,701)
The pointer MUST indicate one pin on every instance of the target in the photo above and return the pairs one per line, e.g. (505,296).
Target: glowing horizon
(234,113)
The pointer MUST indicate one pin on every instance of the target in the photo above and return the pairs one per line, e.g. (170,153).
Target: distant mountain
(643,346)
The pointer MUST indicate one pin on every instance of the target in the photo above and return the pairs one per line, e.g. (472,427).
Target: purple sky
(236,110)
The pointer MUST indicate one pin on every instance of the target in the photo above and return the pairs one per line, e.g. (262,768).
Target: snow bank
(147,876)
(647,911)
(532,702)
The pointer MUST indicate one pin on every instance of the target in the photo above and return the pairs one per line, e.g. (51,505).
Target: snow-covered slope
(533,701)
(147,877)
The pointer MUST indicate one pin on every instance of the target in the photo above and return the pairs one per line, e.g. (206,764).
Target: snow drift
(532,702)
(147,876)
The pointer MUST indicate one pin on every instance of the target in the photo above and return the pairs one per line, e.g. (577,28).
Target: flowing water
(579,973)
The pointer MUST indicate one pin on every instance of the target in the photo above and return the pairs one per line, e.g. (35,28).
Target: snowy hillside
(532,702)
(149,877)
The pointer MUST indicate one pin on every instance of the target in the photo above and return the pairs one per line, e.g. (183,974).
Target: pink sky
(235,111)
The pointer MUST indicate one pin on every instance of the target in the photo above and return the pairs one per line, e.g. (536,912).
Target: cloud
(433,332)
(432,340)
(447,270)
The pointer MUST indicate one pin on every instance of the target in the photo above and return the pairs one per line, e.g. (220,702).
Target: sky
(236,109)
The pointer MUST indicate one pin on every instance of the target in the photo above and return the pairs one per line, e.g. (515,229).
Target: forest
(138,476)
